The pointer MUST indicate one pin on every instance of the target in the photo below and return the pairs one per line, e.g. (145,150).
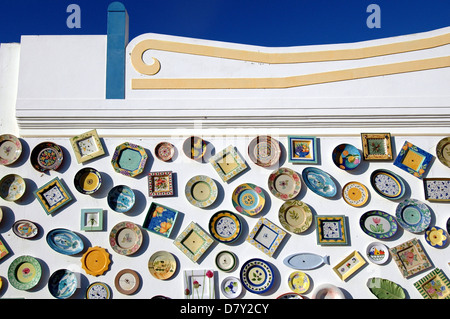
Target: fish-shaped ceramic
(306,261)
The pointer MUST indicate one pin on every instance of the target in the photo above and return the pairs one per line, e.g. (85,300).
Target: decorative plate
(437,189)
(328,291)
(264,151)
(98,290)
(302,150)
(266,236)
(436,237)
(410,258)
(10,149)
(88,180)
(201,191)
(413,159)
(162,265)
(349,265)
(377,253)
(299,282)
(290,295)
(125,238)
(257,276)
(160,184)
(346,156)
(127,281)
(129,159)
(65,241)
(164,151)
(199,284)
(95,261)
(355,194)
(195,148)
(53,196)
(295,216)
(284,183)
(435,285)
(226,261)
(331,230)
(121,198)
(248,199)
(3,249)
(193,242)
(306,261)
(46,156)
(378,224)
(376,146)
(12,187)
(225,226)
(24,272)
(231,287)
(319,182)
(387,184)
(413,215)
(443,151)
(228,163)
(160,219)
(62,284)
(87,146)
(25,229)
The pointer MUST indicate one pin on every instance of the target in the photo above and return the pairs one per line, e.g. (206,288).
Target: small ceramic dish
(88,180)
(195,147)
(125,238)
(121,198)
(25,229)
(328,291)
(46,156)
(346,156)
(10,149)
(231,287)
(377,253)
(284,183)
(164,151)
(12,187)
(62,284)
(264,151)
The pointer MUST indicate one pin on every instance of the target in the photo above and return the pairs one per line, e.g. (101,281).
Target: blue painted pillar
(117,40)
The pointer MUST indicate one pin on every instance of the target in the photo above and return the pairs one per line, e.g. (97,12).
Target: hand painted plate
(284,183)
(290,295)
(413,215)
(46,156)
(162,265)
(65,241)
(328,291)
(378,224)
(10,149)
(125,238)
(25,229)
(377,253)
(24,272)
(88,180)
(256,276)
(299,282)
(387,184)
(443,151)
(436,237)
(346,156)
(129,159)
(226,261)
(264,151)
(319,182)
(225,226)
(248,199)
(195,147)
(121,198)
(295,216)
(164,151)
(231,287)
(355,194)
(201,191)
(62,284)
(12,187)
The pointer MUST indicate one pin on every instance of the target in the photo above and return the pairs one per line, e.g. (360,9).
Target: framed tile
(331,230)
(376,146)
(437,189)
(228,163)
(302,149)
(266,236)
(349,265)
(413,160)
(3,249)
(410,258)
(160,219)
(87,146)
(52,196)
(435,285)
(160,184)
(92,219)
(193,241)
(199,284)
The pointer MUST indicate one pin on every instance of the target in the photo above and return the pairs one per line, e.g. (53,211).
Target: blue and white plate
(225,226)
(121,198)
(319,182)
(62,284)
(413,215)
(256,276)
(65,241)
(387,184)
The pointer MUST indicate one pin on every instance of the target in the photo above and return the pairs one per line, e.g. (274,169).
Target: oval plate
(248,199)
(65,241)
(24,272)
(25,229)
(201,191)
(387,184)
(319,182)
(355,194)
(10,149)
(284,183)
(121,198)
(225,226)
(346,156)
(256,276)
(264,151)
(62,284)
(443,151)
(46,156)
(88,180)
(12,187)
(413,215)
(378,224)
(162,265)
(125,238)
(295,216)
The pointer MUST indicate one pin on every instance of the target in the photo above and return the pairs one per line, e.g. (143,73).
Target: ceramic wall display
(302,150)
(121,198)
(443,151)
(295,216)
(228,163)
(165,151)
(193,242)
(199,284)
(64,241)
(378,224)
(87,146)
(349,265)
(355,194)
(248,199)
(95,261)
(98,290)
(12,187)
(257,276)
(436,237)
(226,261)
(331,230)
(225,226)
(376,146)
(319,181)
(413,159)
(129,159)
(437,189)
(162,265)
(327,291)
(10,149)
(62,284)
(46,156)
(195,147)
(125,238)
(25,229)
(387,184)
(266,236)
(87,181)
(160,219)
(264,151)
(306,261)
(377,253)
(284,183)
(92,219)
(413,215)
(231,287)
(346,156)
(299,282)
(160,184)
(53,196)
(24,273)
(127,281)
(435,285)
(201,191)
(410,258)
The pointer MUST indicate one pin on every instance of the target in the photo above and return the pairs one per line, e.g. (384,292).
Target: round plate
(88,180)
(12,187)
(164,151)
(64,241)
(201,191)
(195,147)
(25,229)
(225,226)
(231,287)
(377,253)
(162,265)
(98,290)
(299,282)
(290,295)
(319,182)
(328,291)
(284,183)
(295,216)
(95,261)
(248,199)
(256,276)
(62,284)
(125,238)
(46,156)
(226,261)
(413,215)
(24,272)
(10,149)
(436,237)
(355,194)
(129,159)
(346,156)
(121,198)
(387,184)
(378,224)
(443,151)
(264,151)
(127,281)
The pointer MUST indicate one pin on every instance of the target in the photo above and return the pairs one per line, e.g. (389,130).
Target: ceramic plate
(24,272)
(25,229)
(306,261)
(284,183)
(443,151)
(95,261)
(410,258)
(193,241)
(226,261)
(10,149)
(377,253)
(164,151)
(436,237)
(129,159)
(299,282)
(264,151)
(328,291)
(346,156)
(319,182)
(98,290)
(12,187)
(435,285)
(378,224)
(413,215)
(125,238)
(256,276)
(231,287)
(248,199)
(65,241)
(46,156)
(295,216)
(62,284)
(355,194)
(160,219)
(88,180)
(225,226)
(195,148)
(387,184)
(162,265)
(127,281)
(201,191)
(121,198)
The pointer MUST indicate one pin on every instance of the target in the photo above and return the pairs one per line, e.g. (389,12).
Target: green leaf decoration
(385,289)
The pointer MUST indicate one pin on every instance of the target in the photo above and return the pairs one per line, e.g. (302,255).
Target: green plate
(24,272)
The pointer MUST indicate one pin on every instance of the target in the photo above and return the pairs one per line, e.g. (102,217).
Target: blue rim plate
(319,182)
(62,284)
(121,198)
(436,237)
(378,224)
(387,184)
(256,276)
(225,226)
(65,241)
(413,215)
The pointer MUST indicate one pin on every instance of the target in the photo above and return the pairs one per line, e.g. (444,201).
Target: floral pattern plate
(435,285)
(413,215)
(387,184)
(225,226)
(256,276)
(24,272)
(436,237)
(165,151)
(10,149)
(248,199)
(319,182)
(299,282)
(378,224)
(46,156)
(160,219)
(413,159)
(355,194)
(410,258)
(264,151)
(12,187)
(125,238)
(199,284)
(295,216)
(284,183)
(231,287)
(201,191)
(121,198)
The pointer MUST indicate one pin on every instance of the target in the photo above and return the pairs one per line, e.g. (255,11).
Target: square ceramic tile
(413,159)
(52,196)
(266,236)
(302,149)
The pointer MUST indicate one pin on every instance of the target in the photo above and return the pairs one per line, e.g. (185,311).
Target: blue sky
(273,23)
